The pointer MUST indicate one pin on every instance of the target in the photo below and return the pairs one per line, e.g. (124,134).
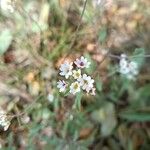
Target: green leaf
(136,116)
(65,128)
(45,113)
(67,92)
(138,56)
(98,84)
(106,117)
(102,35)
(5,40)
(92,66)
(78,100)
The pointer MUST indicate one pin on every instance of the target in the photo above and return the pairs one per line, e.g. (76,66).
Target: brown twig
(134,56)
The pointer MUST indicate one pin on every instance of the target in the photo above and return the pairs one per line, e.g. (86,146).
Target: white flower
(66,69)
(124,69)
(123,62)
(128,68)
(71,117)
(123,56)
(61,85)
(133,66)
(82,62)
(86,82)
(77,74)
(4,122)
(74,87)
(50,97)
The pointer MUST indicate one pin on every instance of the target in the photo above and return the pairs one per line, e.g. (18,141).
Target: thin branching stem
(77,29)
(134,56)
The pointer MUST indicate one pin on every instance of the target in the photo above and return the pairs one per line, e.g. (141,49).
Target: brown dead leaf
(69,58)
(9,57)
(65,4)
(131,25)
(34,88)
(91,47)
(85,133)
(29,77)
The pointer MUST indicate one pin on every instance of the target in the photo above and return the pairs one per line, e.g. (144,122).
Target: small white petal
(61,85)
(82,62)
(66,69)
(50,97)
(74,87)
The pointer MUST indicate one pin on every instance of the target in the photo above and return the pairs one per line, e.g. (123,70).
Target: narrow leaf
(78,100)
(138,56)
(140,117)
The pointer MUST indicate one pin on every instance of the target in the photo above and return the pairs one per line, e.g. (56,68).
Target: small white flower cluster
(4,122)
(78,81)
(128,68)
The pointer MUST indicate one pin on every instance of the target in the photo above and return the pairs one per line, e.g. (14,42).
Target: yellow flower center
(76,86)
(77,74)
(85,82)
